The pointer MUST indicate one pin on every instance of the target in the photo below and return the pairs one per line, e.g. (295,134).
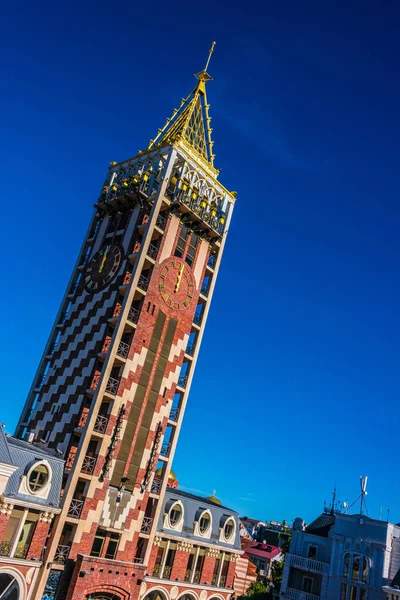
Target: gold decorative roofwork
(191,121)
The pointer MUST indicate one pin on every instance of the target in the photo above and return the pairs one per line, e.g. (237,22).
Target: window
(346,566)
(356,567)
(180,246)
(38,478)
(175,515)
(229,529)
(98,543)
(112,546)
(307,585)
(343,592)
(204,523)
(365,570)
(9,587)
(312,552)
(192,249)
(353,592)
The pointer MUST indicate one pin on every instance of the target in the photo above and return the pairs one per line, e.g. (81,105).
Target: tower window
(192,249)
(180,246)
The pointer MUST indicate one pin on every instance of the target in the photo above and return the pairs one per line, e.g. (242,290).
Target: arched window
(155,595)
(9,587)
(356,567)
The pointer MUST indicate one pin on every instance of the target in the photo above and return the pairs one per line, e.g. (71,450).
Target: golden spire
(191,121)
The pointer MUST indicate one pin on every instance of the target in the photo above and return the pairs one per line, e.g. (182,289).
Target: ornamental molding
(157,540)
(46,517)
(184,546)
(213,552)
(5,507)
(233,558)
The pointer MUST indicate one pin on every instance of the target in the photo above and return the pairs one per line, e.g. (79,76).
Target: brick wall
(38,541)
(180,565)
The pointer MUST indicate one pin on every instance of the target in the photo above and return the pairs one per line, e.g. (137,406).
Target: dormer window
(38,478)
(175,515)
(205,523)
(229,530)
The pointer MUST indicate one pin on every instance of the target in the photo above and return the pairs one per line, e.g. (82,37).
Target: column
(39,537)
(181,560)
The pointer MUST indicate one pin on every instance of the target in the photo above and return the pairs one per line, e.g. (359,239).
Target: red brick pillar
(181,561)
(208,566)
(5,512)
(231,571)
(39,537)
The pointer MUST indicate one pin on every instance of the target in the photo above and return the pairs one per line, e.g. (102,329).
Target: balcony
(133,315)
(88,465)
(75,508)
(165,448)
(155,486)
(112,386)
(299,595)
(222,581)
(209,215)
(61,554)
(21,550)
(152,251)
(146,525)
(123,350)
(174,414)
(5,548)
(188,574)
(143,283)
(161,221)
(167,572)
(196,578)
(100,424)
(182,381)
(307,564)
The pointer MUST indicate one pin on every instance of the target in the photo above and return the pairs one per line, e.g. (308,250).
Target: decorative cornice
(157,540)
(184,546)
(213,552)
(5,507)
(233,557)
(46,517)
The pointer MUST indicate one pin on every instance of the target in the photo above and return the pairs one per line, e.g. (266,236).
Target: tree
(256,587)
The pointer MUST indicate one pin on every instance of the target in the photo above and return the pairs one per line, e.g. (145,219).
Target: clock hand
(179,278)
(103,261)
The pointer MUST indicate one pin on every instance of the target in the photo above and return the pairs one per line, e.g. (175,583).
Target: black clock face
(103,267)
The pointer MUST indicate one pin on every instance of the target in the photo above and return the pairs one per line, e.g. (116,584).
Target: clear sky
(297,385)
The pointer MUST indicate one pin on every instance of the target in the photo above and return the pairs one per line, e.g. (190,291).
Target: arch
(215,597)
(188,595)
(107,592)
(16,585)
(156,593)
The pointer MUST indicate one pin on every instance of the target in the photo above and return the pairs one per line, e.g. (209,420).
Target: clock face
(103,267)
(176,284)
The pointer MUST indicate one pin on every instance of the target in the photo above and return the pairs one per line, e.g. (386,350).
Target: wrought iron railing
(174,414)
(188,574)
(196,578)
(133,314)
(88,465)
(161,221)
(100,425)
(5,548)
(75,508)
(112,386)
(182,381)
(123,349)
(143,282)
(146,524)
(214,579)
(152,251)
(21,550)
(61,554)
(222,581)
(165,448)
(194,202)
(155,486)
(167,572)
(156,570)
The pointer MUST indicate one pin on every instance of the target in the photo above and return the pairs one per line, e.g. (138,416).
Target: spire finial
(209,56)
(203,75)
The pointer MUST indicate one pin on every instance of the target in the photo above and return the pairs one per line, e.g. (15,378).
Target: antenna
(380,513)
(363,485)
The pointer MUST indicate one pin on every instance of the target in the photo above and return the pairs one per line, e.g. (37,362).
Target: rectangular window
(363,594)
(353,592)
(307,585)
(312,552)
(343,591)
(98,543)
(112,546)
(180,246)
(192,249)
(26,536)
(356,567)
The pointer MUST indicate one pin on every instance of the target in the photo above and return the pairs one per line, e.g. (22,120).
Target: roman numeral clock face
(103,267)
(176,284)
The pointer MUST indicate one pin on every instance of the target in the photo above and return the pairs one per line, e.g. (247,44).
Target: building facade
(341,556)
(111,388)
(30,485)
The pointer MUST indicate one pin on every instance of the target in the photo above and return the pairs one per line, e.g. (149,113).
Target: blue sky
(297,384)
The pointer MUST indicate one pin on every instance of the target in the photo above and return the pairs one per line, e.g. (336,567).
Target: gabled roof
(191,121)
(322,524)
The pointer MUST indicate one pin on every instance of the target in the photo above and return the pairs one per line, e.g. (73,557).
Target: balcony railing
(112,386)
(123,349)
(133,314)
(174,414)
(146,525)
(156,486)
(188,574)
(152,251)
(165,448)
(222,581)
(161,221)
(88,465)
(196,578)
(100,425)
(156,571)
(214,579)
(21,550)
(182,381)
(211,215)
(5,548)
(190,348)
(143,282)
(299,595)
(308,564)
(197,319)
(61,554)
(75,508)
(167,572)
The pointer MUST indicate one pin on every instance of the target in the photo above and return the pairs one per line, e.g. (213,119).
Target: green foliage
(276,571)
(256,587)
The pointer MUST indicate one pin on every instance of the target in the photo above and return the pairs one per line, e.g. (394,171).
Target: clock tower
(112,385)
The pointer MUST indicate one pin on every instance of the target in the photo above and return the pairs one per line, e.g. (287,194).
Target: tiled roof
(263,551)
(322,524)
